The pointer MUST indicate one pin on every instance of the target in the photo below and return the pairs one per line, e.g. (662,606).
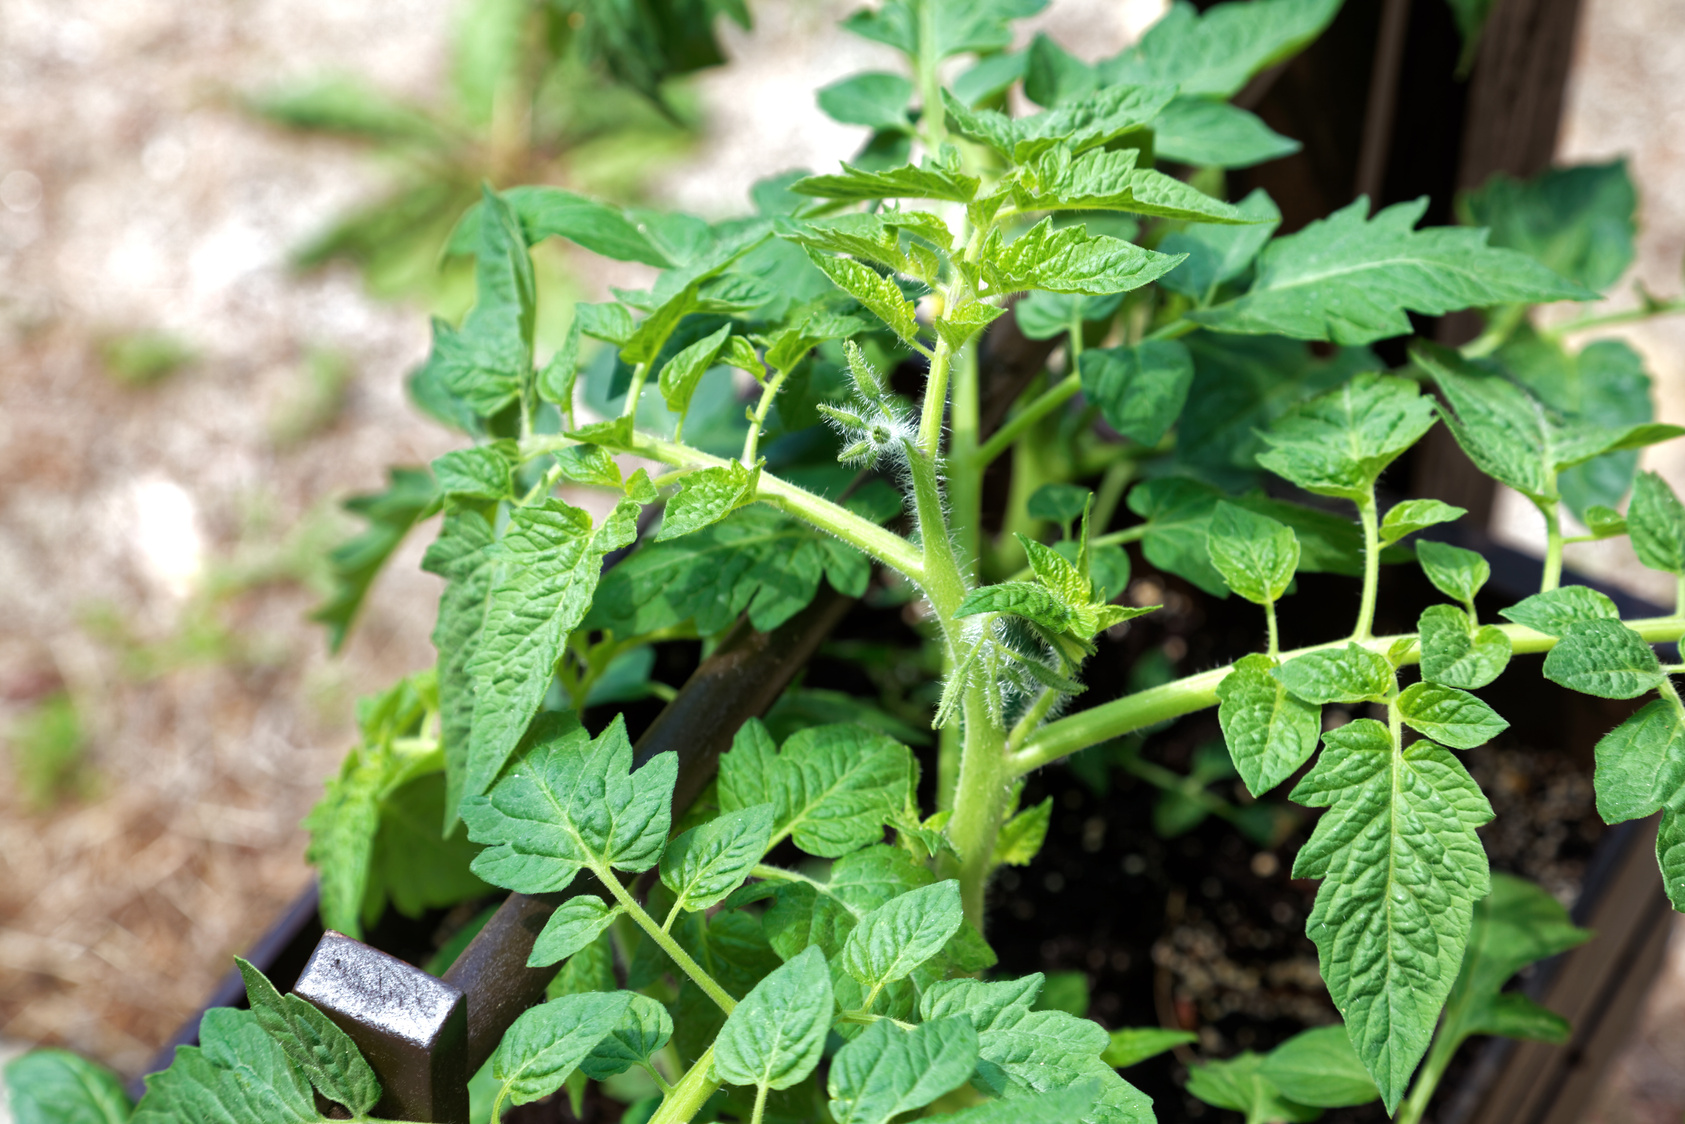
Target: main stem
(979,800)
(686,1099)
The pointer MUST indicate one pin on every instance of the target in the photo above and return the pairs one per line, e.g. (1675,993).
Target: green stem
(965,469)
(1032,718)
(935,402)
(1371,565)
(760,1105)
(1679,598)
(665,941)
(1078,731)
(1275,639)
(980,800)
(635,391)
(942,581)
(686,1098)
(1629,316)
(1553,545)
(1118,475)
(934,119)
(1044,404)
(1428,1078)
(768,393)
(1174,330)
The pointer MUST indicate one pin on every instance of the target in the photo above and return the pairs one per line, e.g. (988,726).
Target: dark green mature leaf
(1078,125)
(832,788)
(1641,763)
(1351,281)
(1041,316)
(775,1035)
(550,211)
(906,182)
(1021,599)
(1214,54)
(756,560)
(236,1075)
(1579,221)
(888,1071)
(1389,930)
(1554,611)
(572,802)
(1407,518)
(1058,502)
(58,1087)
(1051,74)
(1239,1084)
(708,862)
(462,555)
(902,934)
(1068,260)
(1132,1045)
(356,562)
(956,26)
(824,914)
(1603,658)
(1449,716)
(550,560)
(1455,572)
(312,1042)
(705,497)
(1656,521)
(1256,555)
(1109,181)
(1343,675)
(1339,443)
(1269,732)
(1457,654)
(548,1042)
(1215,134)
(1318,1067)
(1139,388)
(1218,253)
(575,924)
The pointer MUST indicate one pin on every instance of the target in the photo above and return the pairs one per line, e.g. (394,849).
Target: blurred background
(220,226)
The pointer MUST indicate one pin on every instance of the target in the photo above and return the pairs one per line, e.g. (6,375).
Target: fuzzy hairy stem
(1552,511)
(756,423)
(943,583)
(686,1098)
(980,800)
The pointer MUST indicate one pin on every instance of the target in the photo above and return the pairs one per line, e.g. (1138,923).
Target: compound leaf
(1338,444)
(1068,260)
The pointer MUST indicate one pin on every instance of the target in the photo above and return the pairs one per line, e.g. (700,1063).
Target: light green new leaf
(58,1087)
(550,211)
(1078,125)
(1656,521)
(1457,654)
(643,1029)
(775,1035)
(1068,260)
(681,373)
(1021,599)
(906,182)
(1402,868)
(576,923)
(874,99)
(1021,837)
(902,934)
(963,321)
(1318,1067)
(1218,253)
(944,27)
(555,381)
(608,321)
(888,1071)
(1215,134)
(1415,515)
(1338,444)
(570,802)
(1449,716)
(1133,1045)
(1110,181)
(355,563)
(708,862)
(880,294)
(1214,54)
(324,1053)
(1239,1084)
(1351,280)
(1256,555)
(1553,611)
(1269,732)
(858,234)
(484,472)
(589,464)
(705,497)
(1641,763)
(550,562)
(1455,572)
(236,1075)
(1605,522)
(1603,658)
(546,1044)
(1343,675)
(832,787)
(1139,388)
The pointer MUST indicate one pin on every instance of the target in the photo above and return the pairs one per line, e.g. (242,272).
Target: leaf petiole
(665,941)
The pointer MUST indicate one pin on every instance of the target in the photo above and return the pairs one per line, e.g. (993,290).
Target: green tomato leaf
(966,320)
(706,496)
(355,563)
(1351,280)
(1021,836)
(1670,856)
(1656,520)
(1343,675)
(775,1035)
(312,1042)
(463,556)
(1060,503)
(1641,763)
(879,294)
(1339,443)
(954,27)
(1215,53)
(1256,555)
(1139,388)
(1218,253)
(681,373)
(1402,869)
(1579,221)
(571,802)
(874,99)
(902,934)
(58,1087)
(1318,1067)
(236,1075)
(644,1028)
(1068,260)
(1215,134)
(1239,1084)
(576,923)
(1449,716)
(547,1043)
(708,862)
(550,211)
(1133,1045)
(1415,515)
(1605,522)
(609,321)
(1269,731)
(1110,181)
(1555,610)
(1057,1106)
(589,464)
(906,182)
(1021,599)
(1455,653)
(1603,658)
(887,1071)
(556,380)
(1079,125)
(1455,572)
(484,472)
